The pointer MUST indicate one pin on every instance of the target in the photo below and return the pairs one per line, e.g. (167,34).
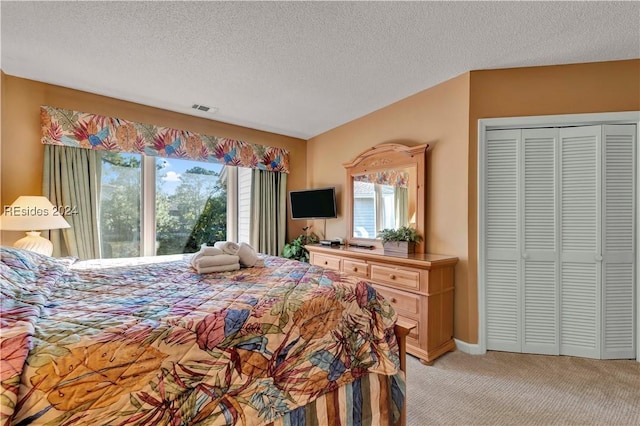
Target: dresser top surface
(378,255)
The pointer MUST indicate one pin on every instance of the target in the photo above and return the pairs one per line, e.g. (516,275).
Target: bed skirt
(374,399)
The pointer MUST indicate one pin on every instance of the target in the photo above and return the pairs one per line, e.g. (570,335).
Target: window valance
(93,131)
(397,178)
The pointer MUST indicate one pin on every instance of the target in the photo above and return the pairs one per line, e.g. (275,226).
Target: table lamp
(32,214)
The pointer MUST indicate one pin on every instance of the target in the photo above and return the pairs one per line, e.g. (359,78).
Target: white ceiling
(297,68)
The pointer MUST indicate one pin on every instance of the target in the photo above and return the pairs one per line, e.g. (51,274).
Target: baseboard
(469,348)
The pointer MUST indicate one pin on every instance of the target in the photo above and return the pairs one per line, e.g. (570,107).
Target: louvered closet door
(580,231)
(618,242)
(521,224)
(502,248)
(539,311)
(559,221)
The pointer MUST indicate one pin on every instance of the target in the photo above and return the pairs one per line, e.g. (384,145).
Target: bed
(148,341)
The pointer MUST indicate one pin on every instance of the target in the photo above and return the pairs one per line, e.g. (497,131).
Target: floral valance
(93,131)
(397,178)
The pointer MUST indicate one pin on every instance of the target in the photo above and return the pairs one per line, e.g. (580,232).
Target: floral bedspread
(157,343)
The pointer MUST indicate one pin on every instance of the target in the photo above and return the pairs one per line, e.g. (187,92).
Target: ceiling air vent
(201,107)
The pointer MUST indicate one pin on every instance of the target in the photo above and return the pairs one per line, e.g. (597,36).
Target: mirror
(385,189)
(381,200)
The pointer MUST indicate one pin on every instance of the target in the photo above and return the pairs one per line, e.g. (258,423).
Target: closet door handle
(598,257)
(525,255)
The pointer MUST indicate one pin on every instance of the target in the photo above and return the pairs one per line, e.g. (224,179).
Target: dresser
(419,287)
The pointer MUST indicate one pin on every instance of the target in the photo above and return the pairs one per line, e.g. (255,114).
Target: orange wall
(562,89)
(22,153)
(437,116)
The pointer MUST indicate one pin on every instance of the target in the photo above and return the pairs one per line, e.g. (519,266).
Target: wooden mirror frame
(384,157)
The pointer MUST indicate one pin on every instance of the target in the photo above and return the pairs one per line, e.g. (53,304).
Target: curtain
(379,206)
(71,179)
(401,198)
(269,211)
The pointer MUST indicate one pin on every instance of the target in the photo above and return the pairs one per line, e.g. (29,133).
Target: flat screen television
(313,203)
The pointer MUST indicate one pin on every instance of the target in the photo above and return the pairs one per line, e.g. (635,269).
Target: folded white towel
(219,260)
(248,255)
(229,247)
(205,251)
(210,250)
(221,268)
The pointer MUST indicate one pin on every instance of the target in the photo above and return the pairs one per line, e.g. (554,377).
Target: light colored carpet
(502,388)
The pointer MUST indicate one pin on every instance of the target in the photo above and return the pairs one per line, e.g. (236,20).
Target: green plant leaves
(403,233)
(296,250)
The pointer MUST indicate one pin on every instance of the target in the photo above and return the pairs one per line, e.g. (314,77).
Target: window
(120,209)
(373,208)
(190,205)
(155,206)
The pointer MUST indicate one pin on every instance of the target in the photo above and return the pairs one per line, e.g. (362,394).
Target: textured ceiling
(297,68)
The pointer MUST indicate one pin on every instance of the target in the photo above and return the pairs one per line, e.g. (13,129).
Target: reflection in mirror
(385,190)
(381,200)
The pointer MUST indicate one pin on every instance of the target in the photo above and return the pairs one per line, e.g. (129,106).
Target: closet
(559,218)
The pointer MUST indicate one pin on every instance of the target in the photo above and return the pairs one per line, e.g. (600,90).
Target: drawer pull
(355,269)
(326,263)
(394,300)
(392,277)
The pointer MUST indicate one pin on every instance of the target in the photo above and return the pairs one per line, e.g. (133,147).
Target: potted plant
(296,250)
(401,241)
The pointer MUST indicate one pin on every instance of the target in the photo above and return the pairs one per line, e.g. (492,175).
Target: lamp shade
(31,213)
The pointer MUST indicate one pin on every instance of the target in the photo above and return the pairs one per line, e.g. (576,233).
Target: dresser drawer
(353,267)
(329,262)
(403,303)
(398,277)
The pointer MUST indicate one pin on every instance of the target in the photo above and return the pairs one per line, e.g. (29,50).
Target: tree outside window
(190,205)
